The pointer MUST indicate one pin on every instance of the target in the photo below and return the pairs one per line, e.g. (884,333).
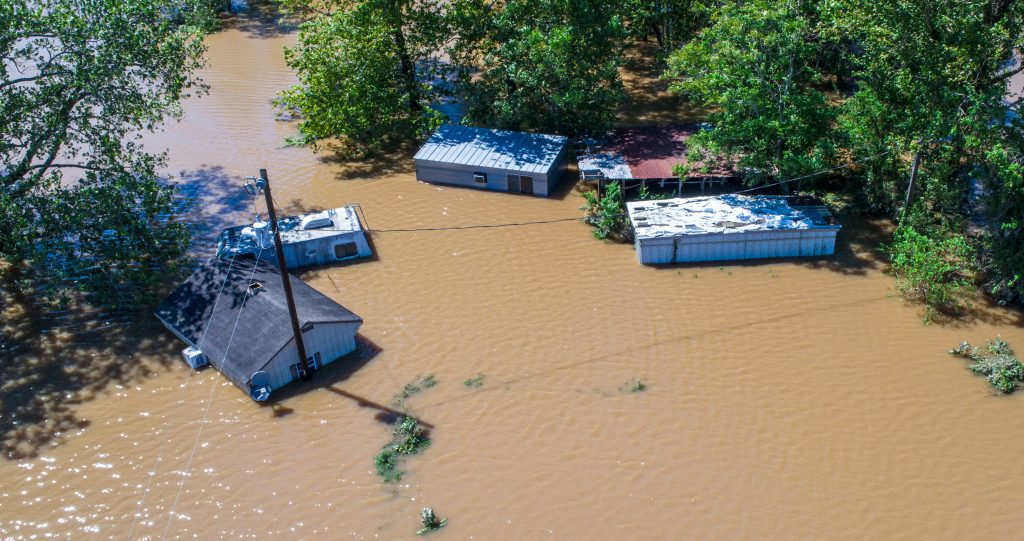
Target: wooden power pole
(910,187)
(292,313)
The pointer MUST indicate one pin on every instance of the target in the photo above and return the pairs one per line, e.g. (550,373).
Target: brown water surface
(785,399)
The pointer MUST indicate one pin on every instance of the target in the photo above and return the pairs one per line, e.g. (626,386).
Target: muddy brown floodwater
(785,399)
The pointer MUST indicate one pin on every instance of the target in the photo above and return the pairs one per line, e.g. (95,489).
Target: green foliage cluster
(799,87)
(545,65)
(430,521)
(608,213)
(357,69)
(475,381)
(81,202)
(996,361)
(408,438)
(756,66)
(933,268)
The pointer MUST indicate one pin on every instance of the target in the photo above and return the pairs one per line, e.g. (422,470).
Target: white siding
(332,340)
(734,246)
(321,251)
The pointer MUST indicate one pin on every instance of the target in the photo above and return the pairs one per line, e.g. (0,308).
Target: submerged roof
(242,331)
(241,240)
(496,149)
(726,214)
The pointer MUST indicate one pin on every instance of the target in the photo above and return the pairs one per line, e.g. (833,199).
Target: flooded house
(731,227)
(315,238)
(233,315)
(507,161)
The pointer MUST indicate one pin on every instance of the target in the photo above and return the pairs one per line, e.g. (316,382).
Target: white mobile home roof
(494,149)
(722,214)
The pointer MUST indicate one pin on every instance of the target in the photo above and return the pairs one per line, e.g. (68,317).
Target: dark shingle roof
(263,326)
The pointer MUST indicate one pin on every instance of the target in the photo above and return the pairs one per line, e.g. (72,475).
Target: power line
(209,402)
(192,372)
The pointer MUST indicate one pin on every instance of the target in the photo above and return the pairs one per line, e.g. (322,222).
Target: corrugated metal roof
(481,147)
(723,214)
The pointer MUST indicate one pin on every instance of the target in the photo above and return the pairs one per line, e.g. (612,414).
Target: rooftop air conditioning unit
(194,357)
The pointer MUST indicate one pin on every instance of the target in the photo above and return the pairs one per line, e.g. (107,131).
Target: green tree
(364,69)
(79,198)
(546,65)
(672,22)
(932,78)
(755,66)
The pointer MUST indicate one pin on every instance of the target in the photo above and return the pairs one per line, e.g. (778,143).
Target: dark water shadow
(261,19)
(329,376)
(393,158)
(211,200)
(979,311)
(56,361)
(858,246)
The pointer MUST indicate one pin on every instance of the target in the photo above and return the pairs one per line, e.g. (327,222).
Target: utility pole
(910,186)
(293,314)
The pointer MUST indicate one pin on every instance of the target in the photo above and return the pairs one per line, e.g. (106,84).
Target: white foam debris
(719,214)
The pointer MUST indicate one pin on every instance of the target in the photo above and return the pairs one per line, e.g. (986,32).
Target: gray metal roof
(493,149)
(192,311)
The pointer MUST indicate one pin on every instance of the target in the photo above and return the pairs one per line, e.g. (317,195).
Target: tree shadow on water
(211,200)
(52,362)
(858,246)
(260,19)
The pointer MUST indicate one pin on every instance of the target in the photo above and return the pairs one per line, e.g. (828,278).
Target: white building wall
(736,246)
(332,340)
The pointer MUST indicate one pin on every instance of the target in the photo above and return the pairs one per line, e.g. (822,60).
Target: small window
(345,249)
(480,178)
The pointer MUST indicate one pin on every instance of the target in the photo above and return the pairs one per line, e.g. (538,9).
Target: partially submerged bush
(430,521)
(934,270)
(409,438)
(475,381)
(608,214)
(996,361)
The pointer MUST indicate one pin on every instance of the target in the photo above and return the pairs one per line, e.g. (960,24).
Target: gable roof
(194,313)
(495,149)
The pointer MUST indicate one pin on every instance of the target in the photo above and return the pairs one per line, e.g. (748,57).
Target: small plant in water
(996,361)
(636,385)
(475,381)
(430,521)
(413,388)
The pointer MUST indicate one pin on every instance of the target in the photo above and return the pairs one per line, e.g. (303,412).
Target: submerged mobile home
(507,161)
(730,227)
(316,238)
(233,315)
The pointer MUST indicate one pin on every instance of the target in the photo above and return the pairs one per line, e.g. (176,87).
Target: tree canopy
(364,70)
(545,65)
(755,67)
(79,198)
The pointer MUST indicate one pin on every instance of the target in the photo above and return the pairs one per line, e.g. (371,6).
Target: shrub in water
(430,521)
(996,361)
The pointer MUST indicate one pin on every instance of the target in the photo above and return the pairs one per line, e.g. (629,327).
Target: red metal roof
(651,151)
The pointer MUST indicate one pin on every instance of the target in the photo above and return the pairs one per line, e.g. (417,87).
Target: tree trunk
(408,68)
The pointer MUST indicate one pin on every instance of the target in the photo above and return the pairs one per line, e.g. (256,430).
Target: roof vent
(255,287)
(262,231)
(316,221)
